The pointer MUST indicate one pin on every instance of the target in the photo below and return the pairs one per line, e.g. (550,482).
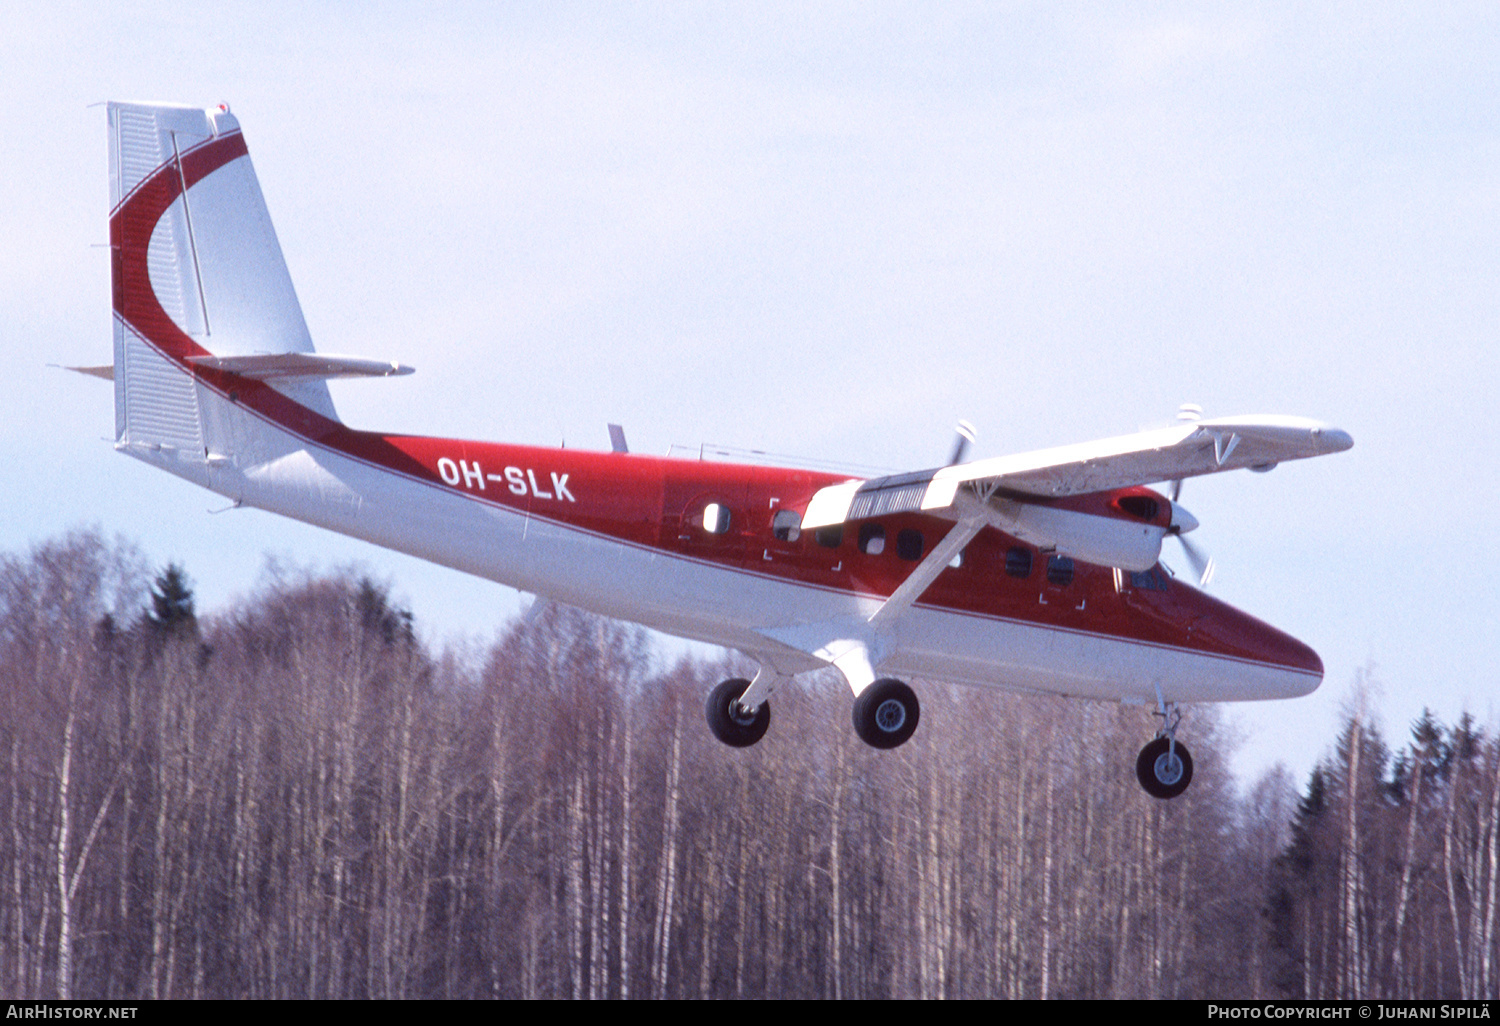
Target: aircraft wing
(1166,454)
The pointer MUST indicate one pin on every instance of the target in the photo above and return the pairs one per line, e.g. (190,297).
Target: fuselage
(1007,614)
(625,535)
(705,550)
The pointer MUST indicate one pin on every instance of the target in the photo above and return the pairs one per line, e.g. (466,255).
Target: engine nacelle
(1124,528)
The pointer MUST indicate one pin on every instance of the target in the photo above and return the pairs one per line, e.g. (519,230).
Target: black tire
(729,724)
(1155,770)
(886,714)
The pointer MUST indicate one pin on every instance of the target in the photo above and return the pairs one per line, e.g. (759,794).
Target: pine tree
(172,613)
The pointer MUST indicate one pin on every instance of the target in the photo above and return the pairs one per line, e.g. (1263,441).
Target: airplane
(1036,572)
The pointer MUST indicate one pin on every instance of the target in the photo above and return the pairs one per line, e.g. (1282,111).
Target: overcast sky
(830,230)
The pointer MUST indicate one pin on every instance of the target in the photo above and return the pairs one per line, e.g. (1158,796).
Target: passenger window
(830,537)
(786,525)
(716,518)
(1060,570)
(909,544)
(1018,562)
(872,539)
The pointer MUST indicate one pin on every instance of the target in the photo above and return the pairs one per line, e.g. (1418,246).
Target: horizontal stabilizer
(305,366)
(105,371)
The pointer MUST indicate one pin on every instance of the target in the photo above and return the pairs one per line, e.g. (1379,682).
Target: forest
(299,797)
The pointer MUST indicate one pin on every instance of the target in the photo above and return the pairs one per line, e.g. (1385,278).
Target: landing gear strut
(1164,767)
(731,722)
(886,713)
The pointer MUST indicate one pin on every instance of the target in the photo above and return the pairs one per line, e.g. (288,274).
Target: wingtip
(1334,439)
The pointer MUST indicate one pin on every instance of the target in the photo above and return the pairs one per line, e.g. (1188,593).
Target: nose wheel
(731,722)
(886,714)
(1164,768)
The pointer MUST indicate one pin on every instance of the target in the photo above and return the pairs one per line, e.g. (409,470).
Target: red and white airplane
(1037,572)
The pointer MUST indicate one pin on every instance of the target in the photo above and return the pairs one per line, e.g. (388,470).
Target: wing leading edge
(1166,454)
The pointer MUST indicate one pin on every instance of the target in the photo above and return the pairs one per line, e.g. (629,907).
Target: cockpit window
(1148,580)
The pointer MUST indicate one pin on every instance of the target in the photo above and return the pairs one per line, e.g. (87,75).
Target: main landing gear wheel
(732,723)
(886,714)
(1165,770)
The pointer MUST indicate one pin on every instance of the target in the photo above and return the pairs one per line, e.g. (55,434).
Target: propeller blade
(966,436)
(1187,413)
(1201,562)
(1182,523)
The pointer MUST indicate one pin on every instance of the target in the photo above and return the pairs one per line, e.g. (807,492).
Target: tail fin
(197,273)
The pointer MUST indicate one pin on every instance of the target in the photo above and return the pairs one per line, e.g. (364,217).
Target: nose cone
(1294,655)
(1298,669)
(1272,663)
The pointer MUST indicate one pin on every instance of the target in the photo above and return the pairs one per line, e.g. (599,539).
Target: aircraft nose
(1304,664)
(1274,664)
(1304,658)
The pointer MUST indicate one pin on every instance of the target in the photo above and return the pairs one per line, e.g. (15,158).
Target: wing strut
(857,646)
(920,579)
(767,679)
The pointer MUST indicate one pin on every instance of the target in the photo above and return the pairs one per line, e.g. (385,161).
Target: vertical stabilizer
(197,272)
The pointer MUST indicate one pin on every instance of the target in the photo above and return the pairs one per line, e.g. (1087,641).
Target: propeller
(1201,562)
(966,436)
(1183,521)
